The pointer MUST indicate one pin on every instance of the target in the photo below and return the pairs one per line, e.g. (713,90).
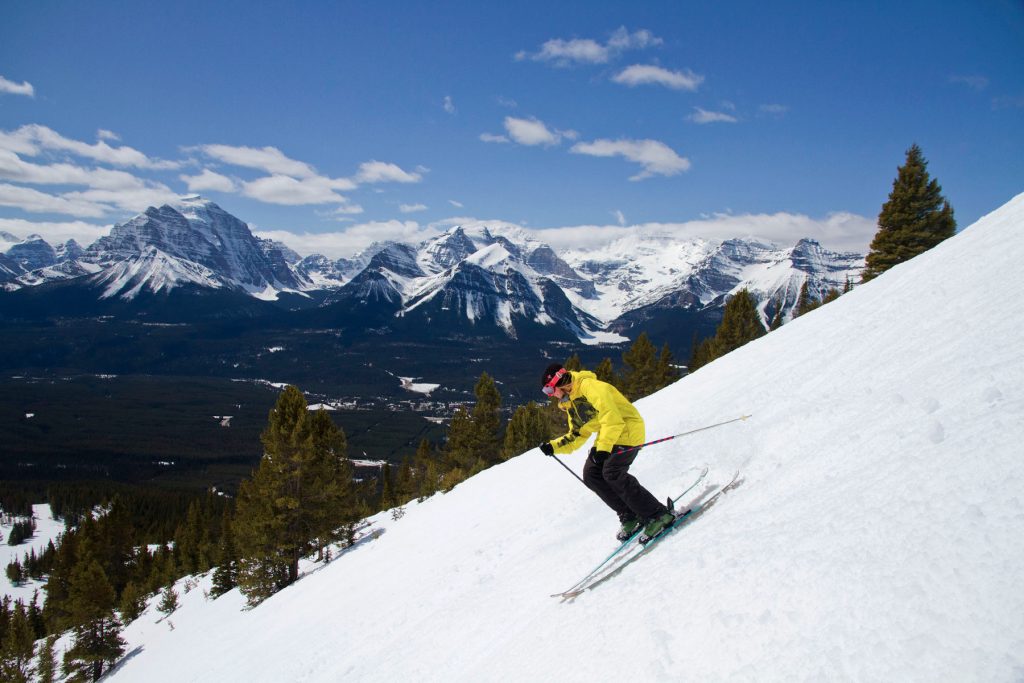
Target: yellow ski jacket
(596,406)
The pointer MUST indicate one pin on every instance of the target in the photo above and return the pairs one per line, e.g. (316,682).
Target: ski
(629,541)
(608,570)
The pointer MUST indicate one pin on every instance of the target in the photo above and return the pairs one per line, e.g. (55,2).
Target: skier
(592,406)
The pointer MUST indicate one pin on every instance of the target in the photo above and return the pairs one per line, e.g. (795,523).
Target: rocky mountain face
(477,280)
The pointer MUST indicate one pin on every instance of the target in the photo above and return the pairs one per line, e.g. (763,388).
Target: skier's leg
(615,473)
(594,479)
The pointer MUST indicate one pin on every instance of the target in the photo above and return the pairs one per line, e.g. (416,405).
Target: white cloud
(268,159)
(56,232)
(837,231)
(107,135)
(12,88)
(382,172)
(647,74)
(564,53)
(13,167)
(34,201)
(620,217)
(656,157)
(457,205)
(448,105)
(288,191)
(209,180)
(412,208)
(704,116)
(30,140)
(530,132)
(507,102)
(638,40)
(345,243)
(107,190)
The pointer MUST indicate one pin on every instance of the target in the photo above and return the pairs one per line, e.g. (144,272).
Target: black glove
(598,457)
(547,449)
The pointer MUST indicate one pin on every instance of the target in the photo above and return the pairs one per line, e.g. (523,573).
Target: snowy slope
(876,534)
(47,529)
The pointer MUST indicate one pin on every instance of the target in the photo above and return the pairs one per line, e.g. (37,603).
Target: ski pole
(676,436)
(569,469)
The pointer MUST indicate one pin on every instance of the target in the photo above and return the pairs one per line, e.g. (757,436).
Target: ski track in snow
(876,534)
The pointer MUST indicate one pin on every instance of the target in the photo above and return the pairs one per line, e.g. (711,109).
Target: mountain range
(478,280)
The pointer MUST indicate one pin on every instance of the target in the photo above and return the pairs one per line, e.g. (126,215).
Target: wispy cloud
(209,181)
(34,201)
(448,105)
(648,74)
(491,137)
(703,116)
(412,208)
(268,159)
(288,191)
(383,172)
(56,232)
(12,88)
(351,240)
(575,51)
(531,132)
(656,157)
(457,205)
(975,81)
(33,139)
(776,110)
(106,190)
(292,182)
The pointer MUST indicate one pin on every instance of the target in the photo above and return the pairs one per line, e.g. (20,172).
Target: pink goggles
(549,388)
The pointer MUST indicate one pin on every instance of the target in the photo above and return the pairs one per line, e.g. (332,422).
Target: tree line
(915,218)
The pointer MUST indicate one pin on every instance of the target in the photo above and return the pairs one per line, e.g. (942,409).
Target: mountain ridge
(498,278)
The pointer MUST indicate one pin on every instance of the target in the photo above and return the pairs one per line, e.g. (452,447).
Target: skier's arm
(569,442)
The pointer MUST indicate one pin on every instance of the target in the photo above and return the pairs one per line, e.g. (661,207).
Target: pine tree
(17,648)
(168,600)
(641,361)
(487,421)
(573,363)
(740,324)
(46,669)
(915,218)
(776,322)
(665,371)
(299,498)
(805,303)
(225,577)
(605,372)
(97,640)
(527,428)
(133,602)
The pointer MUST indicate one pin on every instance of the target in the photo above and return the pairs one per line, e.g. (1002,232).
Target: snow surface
(47,529)
(876,534)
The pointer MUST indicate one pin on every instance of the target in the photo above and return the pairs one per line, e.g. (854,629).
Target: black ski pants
(608,476)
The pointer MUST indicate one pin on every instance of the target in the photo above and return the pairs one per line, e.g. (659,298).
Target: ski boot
(656,525)
(630,526)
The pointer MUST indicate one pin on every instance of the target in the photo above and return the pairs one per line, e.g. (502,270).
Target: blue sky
(330,125)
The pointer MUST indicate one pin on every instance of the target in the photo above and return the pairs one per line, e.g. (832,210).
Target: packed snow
(875,534)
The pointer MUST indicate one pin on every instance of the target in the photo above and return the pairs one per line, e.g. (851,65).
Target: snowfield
(876,534)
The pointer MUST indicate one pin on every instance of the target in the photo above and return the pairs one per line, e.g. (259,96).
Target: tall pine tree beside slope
(914,219)
(297,499)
